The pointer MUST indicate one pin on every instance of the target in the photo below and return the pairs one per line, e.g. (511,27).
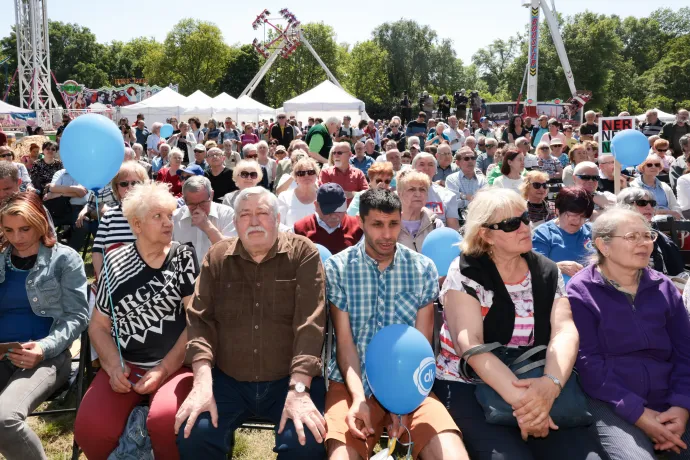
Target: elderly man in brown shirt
(255,336)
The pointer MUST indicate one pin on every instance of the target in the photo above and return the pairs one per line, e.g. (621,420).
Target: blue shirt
(156,165)
(18,323)
(564,159)
(437,141)
(558,245)
(375,299)
(63,178)
(657,191)
(363,165)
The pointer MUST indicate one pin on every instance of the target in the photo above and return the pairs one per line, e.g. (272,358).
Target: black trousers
(495,442)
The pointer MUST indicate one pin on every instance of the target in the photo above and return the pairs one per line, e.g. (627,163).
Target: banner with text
(609,127)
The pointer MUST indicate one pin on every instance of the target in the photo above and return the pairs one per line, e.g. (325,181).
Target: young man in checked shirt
(370,286)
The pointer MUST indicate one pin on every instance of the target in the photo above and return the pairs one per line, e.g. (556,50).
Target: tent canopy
(199,105)
(6,108)
(162,105)
(224,105)
(250,110)
(325,100)
(663,116)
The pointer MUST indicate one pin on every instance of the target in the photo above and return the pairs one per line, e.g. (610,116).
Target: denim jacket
(56,287)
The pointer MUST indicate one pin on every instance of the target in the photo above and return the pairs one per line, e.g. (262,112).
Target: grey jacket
(429,223)
(56,287)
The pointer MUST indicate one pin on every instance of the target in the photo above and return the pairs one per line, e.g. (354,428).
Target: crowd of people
(211,298)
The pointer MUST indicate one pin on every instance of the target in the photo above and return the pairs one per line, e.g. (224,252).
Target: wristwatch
(554,380)
(299,387)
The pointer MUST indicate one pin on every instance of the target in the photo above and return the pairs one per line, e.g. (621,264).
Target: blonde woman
(247,173)
(417,220)
(666,202)
(297,203)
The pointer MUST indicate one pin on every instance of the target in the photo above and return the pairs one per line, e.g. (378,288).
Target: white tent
(248,109)
(162,105)
(199,105)
(663,116)
(323,101)
(224,105)
(6,109)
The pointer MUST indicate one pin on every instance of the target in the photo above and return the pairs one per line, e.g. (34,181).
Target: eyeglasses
(341,152)
(6,155)
(472,158)
(587,177)
(309,172)
(214,155)
(637,237)
(282,118)
(249,157)
(643,203)
(653,165)
(511,224)
(192,206)
(385,181)
(482,145)
(395,126)
(249,175)
(538,185)
(125,184)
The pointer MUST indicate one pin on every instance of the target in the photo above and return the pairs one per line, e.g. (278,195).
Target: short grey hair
(248,148)
(583,165)
(9,169)
(412,140)
(261,144)
(332,120)
(654,111)
(684,140)
(423,156)
(137,147)
(176,153)
(629,195)
(167,147)
(156,125)
(490,141)
(607,223)
(521,140)
(590,112)
(256,191)
(196,184)
(143,197)
(129,154)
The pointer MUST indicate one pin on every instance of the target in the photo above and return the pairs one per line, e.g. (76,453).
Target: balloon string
(110,293)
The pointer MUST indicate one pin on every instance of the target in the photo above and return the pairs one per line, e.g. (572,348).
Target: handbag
(569,409)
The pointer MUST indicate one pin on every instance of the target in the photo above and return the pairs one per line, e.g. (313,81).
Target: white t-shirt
(531,161)
(454,134)
(292,209)
(683,191)
(506,182)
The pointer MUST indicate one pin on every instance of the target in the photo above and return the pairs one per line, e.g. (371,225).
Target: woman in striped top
(498,290)
(113,229)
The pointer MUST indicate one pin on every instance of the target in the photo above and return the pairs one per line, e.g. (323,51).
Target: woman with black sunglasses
(666,256)
(499,290)
(45,168)
(534,190)
(568,239)
(648,180)
(247,173)
(294,204)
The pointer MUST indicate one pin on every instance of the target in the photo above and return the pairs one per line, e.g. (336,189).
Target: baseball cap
(483,119)
(331,198)
(193,169)
(556,141)
(200,148)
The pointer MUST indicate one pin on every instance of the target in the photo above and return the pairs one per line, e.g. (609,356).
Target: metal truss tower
(33,56)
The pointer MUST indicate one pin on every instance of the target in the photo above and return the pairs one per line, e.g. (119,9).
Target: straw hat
(23,146)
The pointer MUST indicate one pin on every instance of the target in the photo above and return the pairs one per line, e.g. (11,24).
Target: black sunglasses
(653,165)
(309,172)
(386,181)
(643,203)
(249,175)
(6,155)
(273,143)
(249,157)
(469,158)
(543,148)
(511,224)
(124,184)
(538,185)
(587,177)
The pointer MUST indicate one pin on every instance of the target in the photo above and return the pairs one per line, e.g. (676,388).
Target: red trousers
(103,414)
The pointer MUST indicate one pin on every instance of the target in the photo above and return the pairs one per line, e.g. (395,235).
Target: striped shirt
(375,299)
(113,229)
(105,197)
(520,293)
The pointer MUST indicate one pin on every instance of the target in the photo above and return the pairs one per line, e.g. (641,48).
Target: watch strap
(294,388)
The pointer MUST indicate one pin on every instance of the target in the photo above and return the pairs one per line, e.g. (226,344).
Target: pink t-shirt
(249,139)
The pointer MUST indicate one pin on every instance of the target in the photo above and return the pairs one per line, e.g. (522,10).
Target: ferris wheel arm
(318,59)
(560,48)
(261,73)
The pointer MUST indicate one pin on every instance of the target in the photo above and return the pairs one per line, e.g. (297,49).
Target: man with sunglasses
(396,135)
(466,182)
(672,132)
(201,222)
(330,226)
(586,176)
(282,132)
(348,177)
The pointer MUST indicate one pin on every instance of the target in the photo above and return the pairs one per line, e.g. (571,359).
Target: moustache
(255,229)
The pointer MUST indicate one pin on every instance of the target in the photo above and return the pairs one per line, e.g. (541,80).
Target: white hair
(261,144)
(423,156)
(412,140)
(176,153)
(256,191)
(129,154)
(196,184)
(247,148)
(332,120)
(156,125)
(137,147)
(582,166)
(590,112)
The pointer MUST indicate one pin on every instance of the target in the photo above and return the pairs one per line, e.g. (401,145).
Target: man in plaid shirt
(369,286)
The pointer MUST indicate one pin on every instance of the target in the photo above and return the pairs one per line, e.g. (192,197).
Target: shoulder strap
(478,350)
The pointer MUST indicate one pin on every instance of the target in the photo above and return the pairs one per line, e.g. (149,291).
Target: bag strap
(531,365)
(478,350)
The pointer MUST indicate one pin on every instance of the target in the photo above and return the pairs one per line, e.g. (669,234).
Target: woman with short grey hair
(246,174)
(633,359)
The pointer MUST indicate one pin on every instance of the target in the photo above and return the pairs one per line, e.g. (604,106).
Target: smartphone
(4,348)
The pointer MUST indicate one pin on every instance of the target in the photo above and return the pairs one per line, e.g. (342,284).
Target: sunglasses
(51,149)
(643,203)
(6,155)
(469,158)
(339,152)
(511,224)
(538,185)
(125,184)
(653,165)
(249,157)
(482,145)
(273,143)
(543,148)
(662,150)
(587,177)
(309,172)
(281,118)
(249,175)
(385,181)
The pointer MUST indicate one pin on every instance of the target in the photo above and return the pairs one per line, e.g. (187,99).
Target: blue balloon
(92,150)
(400,368)
(630,147)
(324,253)
(441,246)
(167,130)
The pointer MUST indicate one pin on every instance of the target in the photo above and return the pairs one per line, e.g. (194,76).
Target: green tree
(194,55)
(364,74)
(673,23)
(243,64)
(669,77)
(494,60)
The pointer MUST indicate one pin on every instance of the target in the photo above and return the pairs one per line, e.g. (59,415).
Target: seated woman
(666,257)
(417,220)
(534,190)
(171,174)
(648,180)
(299,202)
(149,284)
(568,239)
(246,174)
(498,290)
(577,154)
(380,176)
(43,309)
(633,361)
(113,229)
(512,169)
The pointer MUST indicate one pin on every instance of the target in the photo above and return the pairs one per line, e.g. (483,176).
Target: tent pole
(260,74)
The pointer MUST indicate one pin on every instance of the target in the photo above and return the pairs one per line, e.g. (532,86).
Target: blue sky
(470,27)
